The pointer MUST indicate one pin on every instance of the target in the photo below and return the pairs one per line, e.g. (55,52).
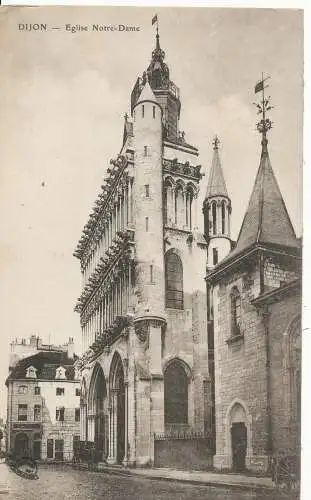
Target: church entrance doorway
(118,411)
(239,445)
(98,407)
(100,396)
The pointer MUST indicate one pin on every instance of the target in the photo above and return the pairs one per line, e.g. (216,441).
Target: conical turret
(266,219)
(217,210)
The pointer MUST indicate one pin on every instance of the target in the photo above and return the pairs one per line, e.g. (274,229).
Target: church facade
(145,368)
(187,337)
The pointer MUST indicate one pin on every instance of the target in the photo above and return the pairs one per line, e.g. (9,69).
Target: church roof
(266,219)
(216,183)
(146,94)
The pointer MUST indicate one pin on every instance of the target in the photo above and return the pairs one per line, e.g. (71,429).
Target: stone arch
(168,180)
(175,250)
(171,359)
(118,423)
(98,410)
(177,375)
(238,412)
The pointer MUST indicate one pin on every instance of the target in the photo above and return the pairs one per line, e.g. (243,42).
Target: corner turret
(217,212)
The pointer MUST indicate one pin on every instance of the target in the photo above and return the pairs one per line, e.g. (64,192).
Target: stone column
(173,212)
(112,457)
(129,200)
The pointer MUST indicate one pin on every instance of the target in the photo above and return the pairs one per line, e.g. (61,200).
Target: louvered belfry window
(174,297)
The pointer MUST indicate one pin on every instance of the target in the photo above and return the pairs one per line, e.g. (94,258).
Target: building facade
(43,409)
(144,373)
(254,309)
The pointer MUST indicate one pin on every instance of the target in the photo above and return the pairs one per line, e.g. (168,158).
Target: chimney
(39,342)
(70,348)
(33,341)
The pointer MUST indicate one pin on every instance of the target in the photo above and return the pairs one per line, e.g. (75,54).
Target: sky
(63,98)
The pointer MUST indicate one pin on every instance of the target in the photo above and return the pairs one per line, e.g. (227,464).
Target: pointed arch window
(235,299)
(179,207)
(175,395)
(214,217)
(223,217)
(169,216)
(189,200)
(174,295)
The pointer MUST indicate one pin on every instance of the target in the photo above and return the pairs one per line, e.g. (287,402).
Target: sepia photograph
(151,252)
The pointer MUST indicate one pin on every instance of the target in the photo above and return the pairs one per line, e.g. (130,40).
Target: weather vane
(216,142)
(265,123)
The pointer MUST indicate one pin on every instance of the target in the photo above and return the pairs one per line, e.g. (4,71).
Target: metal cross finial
(216,142)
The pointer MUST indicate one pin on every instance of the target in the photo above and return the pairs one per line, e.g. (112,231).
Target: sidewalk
(195,477)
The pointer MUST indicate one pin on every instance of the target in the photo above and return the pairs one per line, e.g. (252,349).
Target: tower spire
(266,220)
(216,182)
(217,210)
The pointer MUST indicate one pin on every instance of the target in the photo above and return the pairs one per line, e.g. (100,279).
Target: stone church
(254,321)
(191,341)
(145,374)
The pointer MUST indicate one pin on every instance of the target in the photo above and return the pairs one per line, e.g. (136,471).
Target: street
(59,482)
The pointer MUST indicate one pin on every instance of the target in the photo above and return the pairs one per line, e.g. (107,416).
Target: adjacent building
(144,373)
(254,309)
(43,406)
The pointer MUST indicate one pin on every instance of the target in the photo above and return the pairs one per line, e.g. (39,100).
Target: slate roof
(266,220)
(216,182)
(46,363)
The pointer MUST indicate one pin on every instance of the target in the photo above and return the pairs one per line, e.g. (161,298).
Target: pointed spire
(266,219)
(216,182)
(146,94)
(158,40)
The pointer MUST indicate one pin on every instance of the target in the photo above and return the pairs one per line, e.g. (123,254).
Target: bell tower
(165,91)
(217,212)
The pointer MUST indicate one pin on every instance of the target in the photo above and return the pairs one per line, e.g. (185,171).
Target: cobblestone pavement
(63,483)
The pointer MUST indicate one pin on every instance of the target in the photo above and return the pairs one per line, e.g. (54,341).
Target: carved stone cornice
(184,169)
(103,343)
(89,233)
(117,259)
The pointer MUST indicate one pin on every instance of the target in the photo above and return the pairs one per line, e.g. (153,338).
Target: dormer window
(31,372)
(60,373)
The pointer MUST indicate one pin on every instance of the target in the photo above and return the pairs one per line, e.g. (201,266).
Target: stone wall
(240,363)
(192,453)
